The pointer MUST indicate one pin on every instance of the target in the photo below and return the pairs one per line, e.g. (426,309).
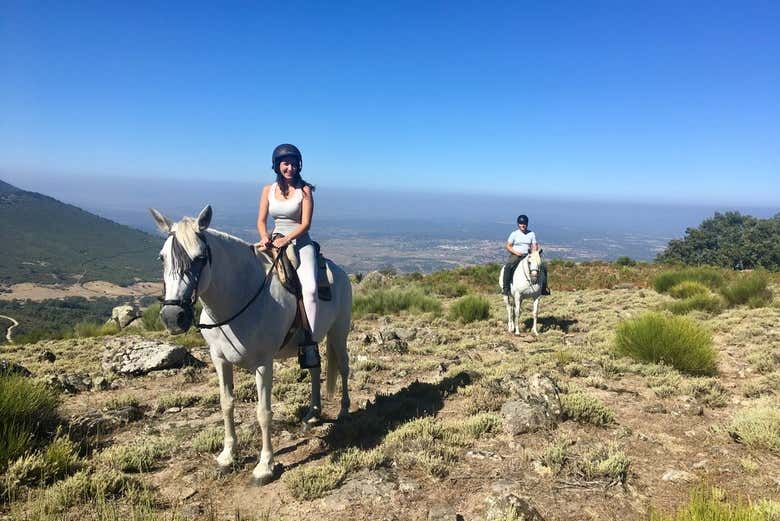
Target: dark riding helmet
(522,219)
(283,151)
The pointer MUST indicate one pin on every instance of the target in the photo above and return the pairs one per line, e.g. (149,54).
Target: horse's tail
(330,378)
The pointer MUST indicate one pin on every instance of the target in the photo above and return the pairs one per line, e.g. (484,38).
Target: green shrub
(702,302)
(710,277)
(625,261)
(677,341)
(688,288)
(604,462)
(28,409)
(92,329)
(709,504)
(176,400)
(141,456)
(394,301)
(758,426)
(150,318)
(585,408)
(750,289)
(470,309)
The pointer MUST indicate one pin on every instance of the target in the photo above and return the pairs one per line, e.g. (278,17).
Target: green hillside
(46,241)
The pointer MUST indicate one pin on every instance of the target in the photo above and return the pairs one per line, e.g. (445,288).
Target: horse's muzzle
(176,319)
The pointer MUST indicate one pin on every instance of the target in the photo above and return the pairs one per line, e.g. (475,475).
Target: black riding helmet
(522,219)
(286,150)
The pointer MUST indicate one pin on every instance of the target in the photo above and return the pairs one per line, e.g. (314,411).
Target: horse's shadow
(550,322)
(366,428)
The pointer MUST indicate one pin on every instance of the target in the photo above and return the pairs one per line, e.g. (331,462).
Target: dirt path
(10,328)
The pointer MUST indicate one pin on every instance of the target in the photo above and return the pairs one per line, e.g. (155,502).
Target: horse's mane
(186,245)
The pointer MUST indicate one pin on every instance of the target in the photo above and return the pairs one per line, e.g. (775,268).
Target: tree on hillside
(729,240)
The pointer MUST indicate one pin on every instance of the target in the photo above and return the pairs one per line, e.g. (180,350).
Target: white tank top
(286,214)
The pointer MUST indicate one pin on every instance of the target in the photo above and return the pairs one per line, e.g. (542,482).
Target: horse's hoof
(260,478)
(223,470)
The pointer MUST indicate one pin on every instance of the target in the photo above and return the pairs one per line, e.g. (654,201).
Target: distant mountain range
(47,241)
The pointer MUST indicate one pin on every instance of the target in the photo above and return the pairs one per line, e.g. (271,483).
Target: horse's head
(186,260)
(534,261)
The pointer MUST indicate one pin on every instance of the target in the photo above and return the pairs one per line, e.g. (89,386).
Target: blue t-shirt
(521,242)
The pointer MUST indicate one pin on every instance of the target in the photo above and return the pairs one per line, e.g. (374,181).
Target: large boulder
(536,404)
(510,506)
(134,355)
(124,315)
(521,417)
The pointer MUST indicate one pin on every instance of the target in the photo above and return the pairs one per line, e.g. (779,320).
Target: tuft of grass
(354,459)
(677,341)
(150,318)
(758,426)
(177,400)
(710,504)
(556,455)
(125,400)
(86,486)
(710,277)
(470,309)
(585,408)
(210,440)
(56,461)
(688,289)
(393,301)
(311,482)
(702,302)
(750,289)
(604,462)
(28,409)
(142,456)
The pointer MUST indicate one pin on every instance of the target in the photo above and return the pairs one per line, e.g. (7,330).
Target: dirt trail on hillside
(10,328)
(94,289)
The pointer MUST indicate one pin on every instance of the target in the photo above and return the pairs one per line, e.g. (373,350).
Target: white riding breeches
(307,273)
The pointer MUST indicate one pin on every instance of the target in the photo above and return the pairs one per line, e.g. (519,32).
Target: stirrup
(309,356)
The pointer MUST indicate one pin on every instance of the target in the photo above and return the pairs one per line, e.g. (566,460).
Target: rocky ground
(665,431)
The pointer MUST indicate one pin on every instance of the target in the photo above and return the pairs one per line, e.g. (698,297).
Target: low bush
(710,277)
(658,338)
(150,318)
(585,408)
(311,482)
(141,456)
(625,261)
(758,427)
(702,302)
(28,411)
(393,301)
(470,309)
(58,460)
(750,289)
(688,288)
(177,400)
(710,504)
(92,329)
(604,462)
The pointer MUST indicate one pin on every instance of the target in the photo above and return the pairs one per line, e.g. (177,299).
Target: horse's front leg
(518,303)
(315,405)
(263,472)
(510,324)
(536,313)
(225,375)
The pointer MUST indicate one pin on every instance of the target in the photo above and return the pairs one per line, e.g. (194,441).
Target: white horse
(524,284)
(250,313)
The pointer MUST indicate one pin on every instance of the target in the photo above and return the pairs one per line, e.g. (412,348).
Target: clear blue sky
(670,101)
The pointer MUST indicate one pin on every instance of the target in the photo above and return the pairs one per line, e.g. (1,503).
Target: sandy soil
(27,290)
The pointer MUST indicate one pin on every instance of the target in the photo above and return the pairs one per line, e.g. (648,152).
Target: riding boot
(309,356)
(543,280)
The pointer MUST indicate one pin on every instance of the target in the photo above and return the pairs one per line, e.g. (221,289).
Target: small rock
(46,356)
(124,315)
(700,464)
(134,355)
(521,417)
(408,485)
(187,493)
(442,513)
(192,510)
(12,368)
(506,505)
(678,476)
(172,410)
(656,408)
(70,382)
(100,382)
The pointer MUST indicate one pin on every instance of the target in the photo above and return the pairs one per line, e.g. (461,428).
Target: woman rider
(289,201)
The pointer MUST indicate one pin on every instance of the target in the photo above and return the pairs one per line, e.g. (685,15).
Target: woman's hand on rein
(281,242)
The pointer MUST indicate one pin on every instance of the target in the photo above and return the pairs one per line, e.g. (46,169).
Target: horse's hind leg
(225,375)
(263,471)
(338,357)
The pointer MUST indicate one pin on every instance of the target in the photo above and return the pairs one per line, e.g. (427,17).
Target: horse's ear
(163,223)
(204,218)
